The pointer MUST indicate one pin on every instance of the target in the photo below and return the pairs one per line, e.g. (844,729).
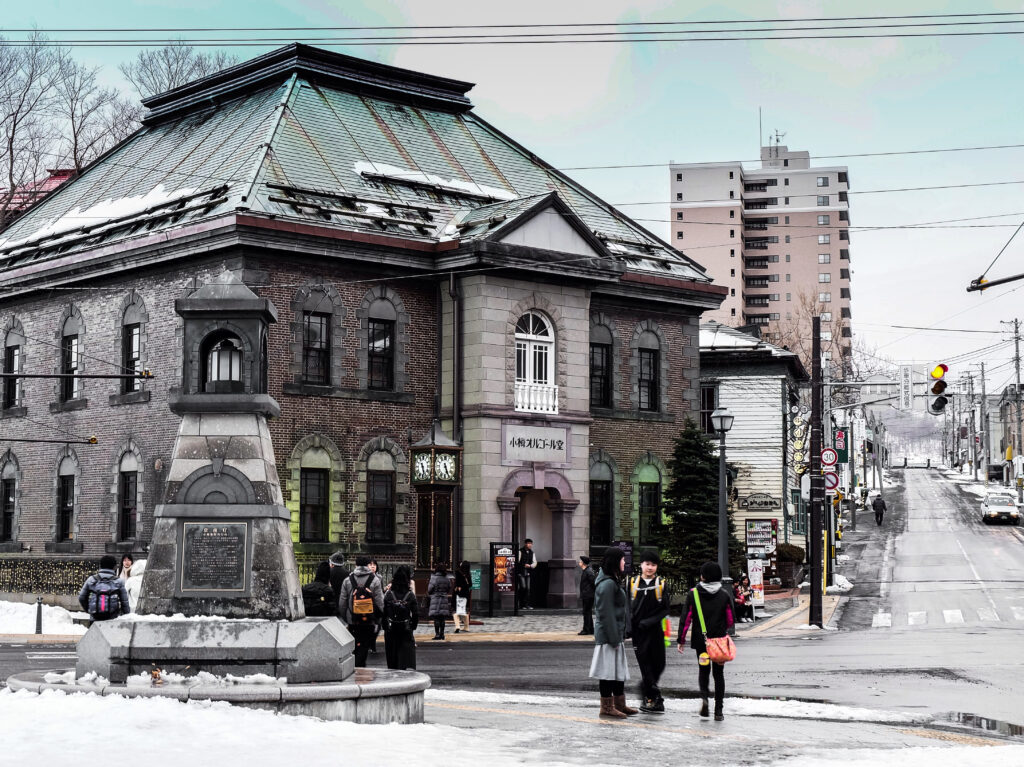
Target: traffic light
(937,388)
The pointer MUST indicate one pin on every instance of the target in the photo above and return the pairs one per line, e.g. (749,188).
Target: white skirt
(610,663)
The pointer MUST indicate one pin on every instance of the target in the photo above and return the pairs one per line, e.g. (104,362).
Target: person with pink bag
(711,606)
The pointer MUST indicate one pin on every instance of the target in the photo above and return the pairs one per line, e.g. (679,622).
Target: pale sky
(612,104)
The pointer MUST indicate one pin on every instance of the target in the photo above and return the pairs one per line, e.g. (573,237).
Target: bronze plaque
(214,557)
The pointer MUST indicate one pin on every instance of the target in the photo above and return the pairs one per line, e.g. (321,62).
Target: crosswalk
(952,617)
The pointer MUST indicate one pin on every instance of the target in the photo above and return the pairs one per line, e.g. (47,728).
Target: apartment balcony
(755,187)
(755,226)
(761,204)
(757,301)
(757,282)
(755,244)
(755,263)
(844,254)
(536,398)
(758,319)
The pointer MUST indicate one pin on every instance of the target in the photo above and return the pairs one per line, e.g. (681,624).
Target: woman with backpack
(609,665)
(318,597)
(709,609)
(439,589)
(401,616)
(463,587)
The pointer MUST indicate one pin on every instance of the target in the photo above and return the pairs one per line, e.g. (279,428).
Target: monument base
(308,650)
(369,696)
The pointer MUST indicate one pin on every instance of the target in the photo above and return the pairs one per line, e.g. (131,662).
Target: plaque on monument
(214,557)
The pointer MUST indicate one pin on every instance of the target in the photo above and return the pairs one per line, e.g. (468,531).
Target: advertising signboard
(755,571)
(503,560)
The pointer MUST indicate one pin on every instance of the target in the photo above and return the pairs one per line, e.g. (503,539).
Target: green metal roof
(305,146)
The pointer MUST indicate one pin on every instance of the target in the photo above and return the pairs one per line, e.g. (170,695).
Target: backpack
(105,599)
(397,613)
(363,608)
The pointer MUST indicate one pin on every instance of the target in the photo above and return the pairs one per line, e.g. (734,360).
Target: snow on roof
(715,336)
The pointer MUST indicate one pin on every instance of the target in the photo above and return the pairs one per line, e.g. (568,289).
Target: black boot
(719,716)
(704,706)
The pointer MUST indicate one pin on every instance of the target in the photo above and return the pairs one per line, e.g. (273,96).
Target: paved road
(935,565)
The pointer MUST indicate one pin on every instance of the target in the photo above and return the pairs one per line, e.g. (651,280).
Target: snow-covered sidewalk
(20,618)
(473,728)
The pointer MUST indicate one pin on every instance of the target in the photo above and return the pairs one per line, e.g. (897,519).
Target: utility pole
(974,433)
(1020,439)
(986,439)
(816,555)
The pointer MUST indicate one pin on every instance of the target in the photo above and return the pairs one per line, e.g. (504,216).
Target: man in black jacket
(648,607)
(525,565)
(878,505)
(587,595)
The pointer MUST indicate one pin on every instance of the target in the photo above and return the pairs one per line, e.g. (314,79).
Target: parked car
(1000,506)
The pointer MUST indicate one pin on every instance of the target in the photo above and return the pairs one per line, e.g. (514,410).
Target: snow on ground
(20,618)
(955,756)
(165,733)
(841,585)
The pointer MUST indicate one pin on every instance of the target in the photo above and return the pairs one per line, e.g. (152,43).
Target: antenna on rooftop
(778,140)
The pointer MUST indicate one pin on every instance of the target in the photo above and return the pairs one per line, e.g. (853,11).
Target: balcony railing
(757,226)
(756,245)
(752,263)
(536,398)
(755,187)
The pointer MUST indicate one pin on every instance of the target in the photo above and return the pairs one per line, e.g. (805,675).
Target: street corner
(795,620)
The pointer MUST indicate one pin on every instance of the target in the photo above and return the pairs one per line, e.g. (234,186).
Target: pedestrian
(124,570)
(133,584)
(361,603)
(608,664)
(716,609)
(376,629)
(318,596)
(439,589)
(103,594)
(744,599)
(463,592)
(648,610)
(526,563)
(587,594)
(878,505)
(339,574)
(401,616)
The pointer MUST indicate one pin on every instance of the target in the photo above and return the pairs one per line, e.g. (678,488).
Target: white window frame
(824,258)
(535,365)
(824,220)
(824,298)
(822,181)
(824,277)
(824,239)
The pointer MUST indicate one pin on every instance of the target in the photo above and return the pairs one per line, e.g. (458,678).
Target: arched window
(70,358)
(380,345)
(8,498)
(602,483)
(649,372)
(601,355)
(221,356)
(132,323)
(380,497)
(535,389)
(314,495)
(66,476)
(127,497)
(13,362)
(648,479)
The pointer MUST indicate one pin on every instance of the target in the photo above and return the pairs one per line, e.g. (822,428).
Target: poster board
(503,564)
(755,571)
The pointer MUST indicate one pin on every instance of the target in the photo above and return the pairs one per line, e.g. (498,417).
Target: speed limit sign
(831,480)
(829,457)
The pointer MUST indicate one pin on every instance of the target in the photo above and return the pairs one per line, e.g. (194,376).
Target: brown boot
(608,709)
(620,704)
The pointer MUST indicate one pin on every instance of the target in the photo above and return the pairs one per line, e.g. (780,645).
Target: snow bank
(201,733)
(20,618)
(169,678)
(197,618)
(415,176)
(840,585)
(961,756)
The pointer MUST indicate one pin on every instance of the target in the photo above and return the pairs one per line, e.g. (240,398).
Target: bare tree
(28,92)
(92,119)
(794,331)
(163,69)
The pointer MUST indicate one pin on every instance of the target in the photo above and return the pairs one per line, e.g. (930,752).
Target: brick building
(423,265)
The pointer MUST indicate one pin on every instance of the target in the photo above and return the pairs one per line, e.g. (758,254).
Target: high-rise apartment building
(778,238)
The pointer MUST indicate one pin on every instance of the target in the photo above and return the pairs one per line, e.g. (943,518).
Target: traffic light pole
(1020,439)
(974,432)
(815,553)
(986,459)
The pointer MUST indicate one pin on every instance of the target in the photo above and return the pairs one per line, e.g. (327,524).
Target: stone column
(508,505)
(561,566)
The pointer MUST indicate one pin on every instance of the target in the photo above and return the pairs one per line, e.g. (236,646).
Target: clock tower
(436,475)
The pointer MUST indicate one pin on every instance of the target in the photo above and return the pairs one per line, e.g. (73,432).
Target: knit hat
(650,555)
(711,572)
(584,559)
(337,558)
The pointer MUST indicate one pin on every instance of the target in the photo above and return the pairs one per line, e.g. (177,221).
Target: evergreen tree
(690,507)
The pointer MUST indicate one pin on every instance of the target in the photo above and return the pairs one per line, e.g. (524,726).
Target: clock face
(444,467)
(421,467)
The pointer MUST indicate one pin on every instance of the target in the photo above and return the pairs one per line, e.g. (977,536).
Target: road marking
(51,655)
(1018,613)
(987,614)
(953,616)
(974,572)
(881,620)
(917,618)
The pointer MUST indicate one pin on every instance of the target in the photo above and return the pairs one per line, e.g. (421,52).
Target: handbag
(720,649)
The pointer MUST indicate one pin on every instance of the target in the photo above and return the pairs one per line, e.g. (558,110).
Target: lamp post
(721,421)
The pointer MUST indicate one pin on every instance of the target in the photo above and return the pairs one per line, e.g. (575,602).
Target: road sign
(839,439)
(829,457)
(906,401)
(831,480)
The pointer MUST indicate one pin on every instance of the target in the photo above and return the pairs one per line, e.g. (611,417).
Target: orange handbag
(720,649)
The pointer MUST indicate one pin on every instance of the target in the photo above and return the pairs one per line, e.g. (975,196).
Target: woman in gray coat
(608,665)
(440,592)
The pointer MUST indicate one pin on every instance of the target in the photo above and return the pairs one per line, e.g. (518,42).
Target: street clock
(436,459)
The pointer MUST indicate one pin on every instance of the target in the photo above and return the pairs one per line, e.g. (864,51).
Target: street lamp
(721,421)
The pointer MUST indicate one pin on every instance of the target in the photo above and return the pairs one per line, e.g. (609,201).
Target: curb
(40,638)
